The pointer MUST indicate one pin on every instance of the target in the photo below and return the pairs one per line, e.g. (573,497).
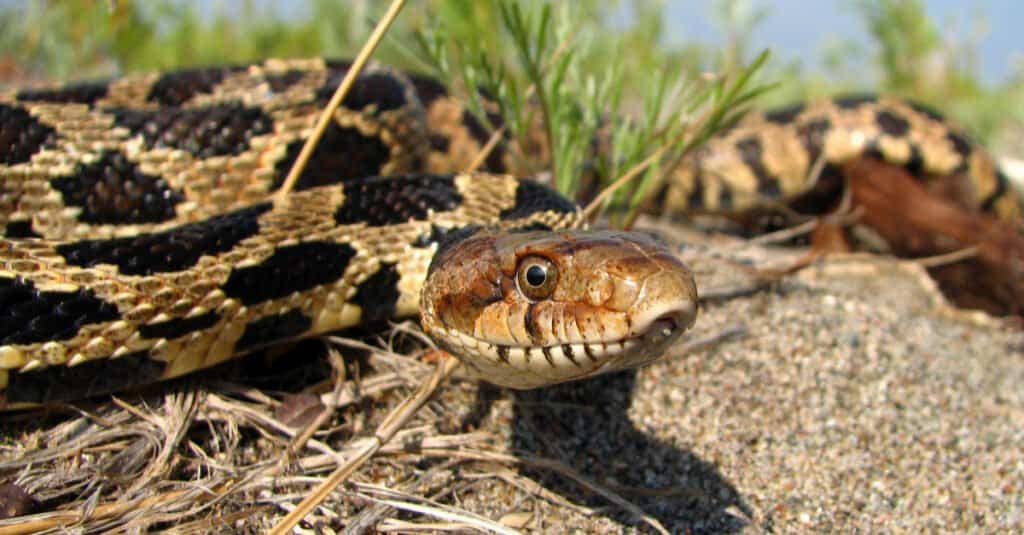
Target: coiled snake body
(141,245)
(140,242)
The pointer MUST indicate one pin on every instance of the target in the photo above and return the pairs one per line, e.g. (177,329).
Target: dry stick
(486,150)
(408,408)
(307,151)
(339,95)
(306,433)
(812,178)
(951,257)
(66,518)
(387,429)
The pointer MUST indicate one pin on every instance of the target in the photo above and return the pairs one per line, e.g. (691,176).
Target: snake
(143,240)
(769,157)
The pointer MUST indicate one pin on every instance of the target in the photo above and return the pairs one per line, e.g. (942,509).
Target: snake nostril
(680,317)
(668,320)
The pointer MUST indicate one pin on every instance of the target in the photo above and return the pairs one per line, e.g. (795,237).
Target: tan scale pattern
(215,185)
(306,216)
(851,133)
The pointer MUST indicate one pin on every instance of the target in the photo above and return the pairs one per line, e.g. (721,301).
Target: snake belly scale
(141,242)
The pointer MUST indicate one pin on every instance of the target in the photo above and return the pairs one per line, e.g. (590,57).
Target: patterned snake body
(140,243)
(770,157)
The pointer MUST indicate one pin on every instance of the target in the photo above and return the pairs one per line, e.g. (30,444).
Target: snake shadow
(585,424)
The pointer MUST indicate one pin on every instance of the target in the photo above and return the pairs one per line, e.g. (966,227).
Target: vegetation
(577,60)
(547,59)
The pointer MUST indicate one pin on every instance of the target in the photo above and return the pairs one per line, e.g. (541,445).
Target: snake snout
(665,308)
(669,301)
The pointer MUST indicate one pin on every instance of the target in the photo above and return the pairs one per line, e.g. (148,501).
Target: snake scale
(141,242)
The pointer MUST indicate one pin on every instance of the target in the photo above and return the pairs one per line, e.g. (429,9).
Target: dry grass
(211,454)
(327,435)
(829,400)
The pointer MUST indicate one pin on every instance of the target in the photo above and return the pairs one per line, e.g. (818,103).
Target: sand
(853,400)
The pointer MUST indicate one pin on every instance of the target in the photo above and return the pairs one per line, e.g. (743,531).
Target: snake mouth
(554,363)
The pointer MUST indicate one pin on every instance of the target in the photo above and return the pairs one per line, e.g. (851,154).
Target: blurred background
(964,58)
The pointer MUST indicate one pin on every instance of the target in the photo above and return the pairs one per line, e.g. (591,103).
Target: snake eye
(537,277)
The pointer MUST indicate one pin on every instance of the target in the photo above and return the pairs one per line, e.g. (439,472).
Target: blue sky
(802,29)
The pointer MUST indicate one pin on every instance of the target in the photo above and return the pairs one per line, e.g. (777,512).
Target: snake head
(528,309)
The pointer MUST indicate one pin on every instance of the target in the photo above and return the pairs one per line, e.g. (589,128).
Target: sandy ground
(853,400)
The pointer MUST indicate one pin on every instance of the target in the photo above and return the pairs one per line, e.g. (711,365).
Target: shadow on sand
(586,425)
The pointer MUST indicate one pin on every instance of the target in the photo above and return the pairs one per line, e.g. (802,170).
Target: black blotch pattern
(448,240)
(752,153)
(892,124)
(849,102)
(960,144)
(384,90)
(494,161)
(1002,186)
(378,294)
(812,136)
(533,197)
(92,378)
(379,201)
(436,235)
(20,229)
(79,93)
(427,89)
(439,143)
(29,315)
(915,164)
(337,67)
(292,268)
(342,154)
(203,132)
(872,150)
(784,114)
(532,227)
(21,135)
(112,189)
(963,147)
(695,200)
(725,199)
(177,87)
(270,329)
(170,250)
(476,129)
(177,327)
(926,110)
(502,353)
(822,196)
(280,83)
